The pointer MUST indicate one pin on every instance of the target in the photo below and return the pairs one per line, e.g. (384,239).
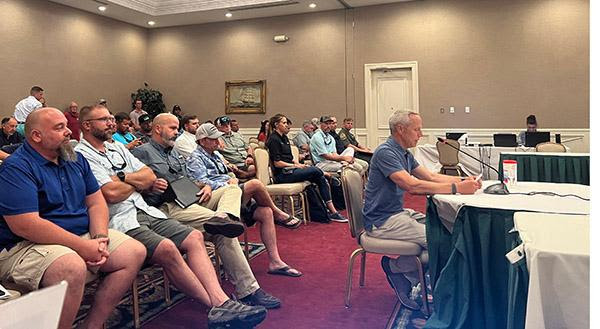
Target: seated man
(394,170)
(323,152)
(121,176)
(341,148)
(223,205)
(235,150)
(302,139)
(531,127)
(186,142)
(349,140)
(10,139)
(122,134)
(145,132)
(72,115)
(54,223)
(206,167)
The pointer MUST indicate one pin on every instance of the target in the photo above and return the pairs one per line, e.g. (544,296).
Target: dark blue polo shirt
(383,198)
(30,183)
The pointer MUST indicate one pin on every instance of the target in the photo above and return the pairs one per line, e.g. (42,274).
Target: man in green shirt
(360,151)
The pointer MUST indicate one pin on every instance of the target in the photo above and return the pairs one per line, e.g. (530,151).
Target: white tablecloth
(557,248)
(448,205)
(427,155)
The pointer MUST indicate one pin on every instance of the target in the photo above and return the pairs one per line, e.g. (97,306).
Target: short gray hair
(400,117)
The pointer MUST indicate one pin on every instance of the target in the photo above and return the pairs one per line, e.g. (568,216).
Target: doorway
(388,87)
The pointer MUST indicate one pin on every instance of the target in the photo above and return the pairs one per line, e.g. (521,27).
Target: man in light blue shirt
(121,176)
(122,135)
(323,151)
(394,170)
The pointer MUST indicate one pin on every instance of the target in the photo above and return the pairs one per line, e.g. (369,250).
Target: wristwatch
(121,176)
(453,188)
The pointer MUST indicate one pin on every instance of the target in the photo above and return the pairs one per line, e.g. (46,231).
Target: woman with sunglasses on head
(288,170)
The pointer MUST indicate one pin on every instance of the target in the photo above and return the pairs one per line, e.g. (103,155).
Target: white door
(390,87)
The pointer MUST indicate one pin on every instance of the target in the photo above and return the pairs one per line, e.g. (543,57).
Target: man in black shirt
(10,139)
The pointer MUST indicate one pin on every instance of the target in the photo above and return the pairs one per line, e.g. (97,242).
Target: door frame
(370,113)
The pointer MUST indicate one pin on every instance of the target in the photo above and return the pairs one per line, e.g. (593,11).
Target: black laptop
(454,136)
(533,138)
(505,140)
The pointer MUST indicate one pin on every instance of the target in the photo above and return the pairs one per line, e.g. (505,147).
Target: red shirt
(73,124)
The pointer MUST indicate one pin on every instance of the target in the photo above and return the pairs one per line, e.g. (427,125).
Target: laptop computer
(533,138)
(454,136)
(505,140)
(38,309)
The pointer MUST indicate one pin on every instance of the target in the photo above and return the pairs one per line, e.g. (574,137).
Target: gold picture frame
(245,96)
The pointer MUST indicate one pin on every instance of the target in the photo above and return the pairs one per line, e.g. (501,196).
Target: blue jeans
(311,174)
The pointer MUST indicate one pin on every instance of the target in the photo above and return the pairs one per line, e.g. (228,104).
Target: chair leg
(135,303)
(349,278)
(246,248)
(305,208)
(167,287)
(291,198)
(423,286)
(363,263)
(218,266)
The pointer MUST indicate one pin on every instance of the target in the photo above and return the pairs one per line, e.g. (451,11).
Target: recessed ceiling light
(151,23)
(102,8)
(313,5)
(228,14)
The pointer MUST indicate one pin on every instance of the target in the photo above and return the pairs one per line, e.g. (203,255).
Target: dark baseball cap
(144,118)
(221,121)
(326,118)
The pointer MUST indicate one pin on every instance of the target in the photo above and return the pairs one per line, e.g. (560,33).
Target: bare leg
(331,207)
(254,189)
(264,215)
(167,256)
(123,265)
(202,267)
(71,268)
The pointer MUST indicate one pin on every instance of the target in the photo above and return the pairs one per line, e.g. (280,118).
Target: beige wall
(305,76)
(70,53)
(504,59)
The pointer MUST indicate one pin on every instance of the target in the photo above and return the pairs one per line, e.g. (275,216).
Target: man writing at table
(394,170)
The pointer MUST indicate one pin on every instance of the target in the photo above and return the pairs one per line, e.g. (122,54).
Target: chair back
(550,147)
(253,146)
(253,140)
(448,156)
(261,161)
(352,186)
(295,152)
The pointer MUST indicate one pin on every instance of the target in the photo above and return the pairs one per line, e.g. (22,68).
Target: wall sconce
(281,38)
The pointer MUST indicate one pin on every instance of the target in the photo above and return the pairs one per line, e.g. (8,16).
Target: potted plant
(151,100)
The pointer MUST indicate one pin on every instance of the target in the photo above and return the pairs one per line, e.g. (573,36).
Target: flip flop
(285,271)
(291,222)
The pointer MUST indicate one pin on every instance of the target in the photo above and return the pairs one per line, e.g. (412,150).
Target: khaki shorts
(26,262)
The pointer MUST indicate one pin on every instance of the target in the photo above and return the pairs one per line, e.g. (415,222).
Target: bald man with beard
(54,223)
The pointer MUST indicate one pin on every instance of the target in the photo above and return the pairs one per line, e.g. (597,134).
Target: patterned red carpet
(316,299)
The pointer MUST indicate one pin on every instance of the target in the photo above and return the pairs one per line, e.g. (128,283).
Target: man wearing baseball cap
(145,132)
(206,166)
(236,151)
(323,152)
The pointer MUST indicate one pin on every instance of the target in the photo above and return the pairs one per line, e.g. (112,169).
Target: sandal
(286,271)
(291,222)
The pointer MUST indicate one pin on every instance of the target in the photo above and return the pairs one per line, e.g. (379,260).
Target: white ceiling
(185,12)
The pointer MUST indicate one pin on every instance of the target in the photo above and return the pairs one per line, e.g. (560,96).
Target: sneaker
(225,226)
(337,217)
(261,297)
(401,285)
(233,314)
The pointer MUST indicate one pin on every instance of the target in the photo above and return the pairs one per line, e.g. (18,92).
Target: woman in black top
(287,170)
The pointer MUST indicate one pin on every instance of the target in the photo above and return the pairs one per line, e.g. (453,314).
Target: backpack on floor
(316,206)
(337,196)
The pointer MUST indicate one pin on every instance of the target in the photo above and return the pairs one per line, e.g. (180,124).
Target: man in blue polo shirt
(54,223)
(393,171)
